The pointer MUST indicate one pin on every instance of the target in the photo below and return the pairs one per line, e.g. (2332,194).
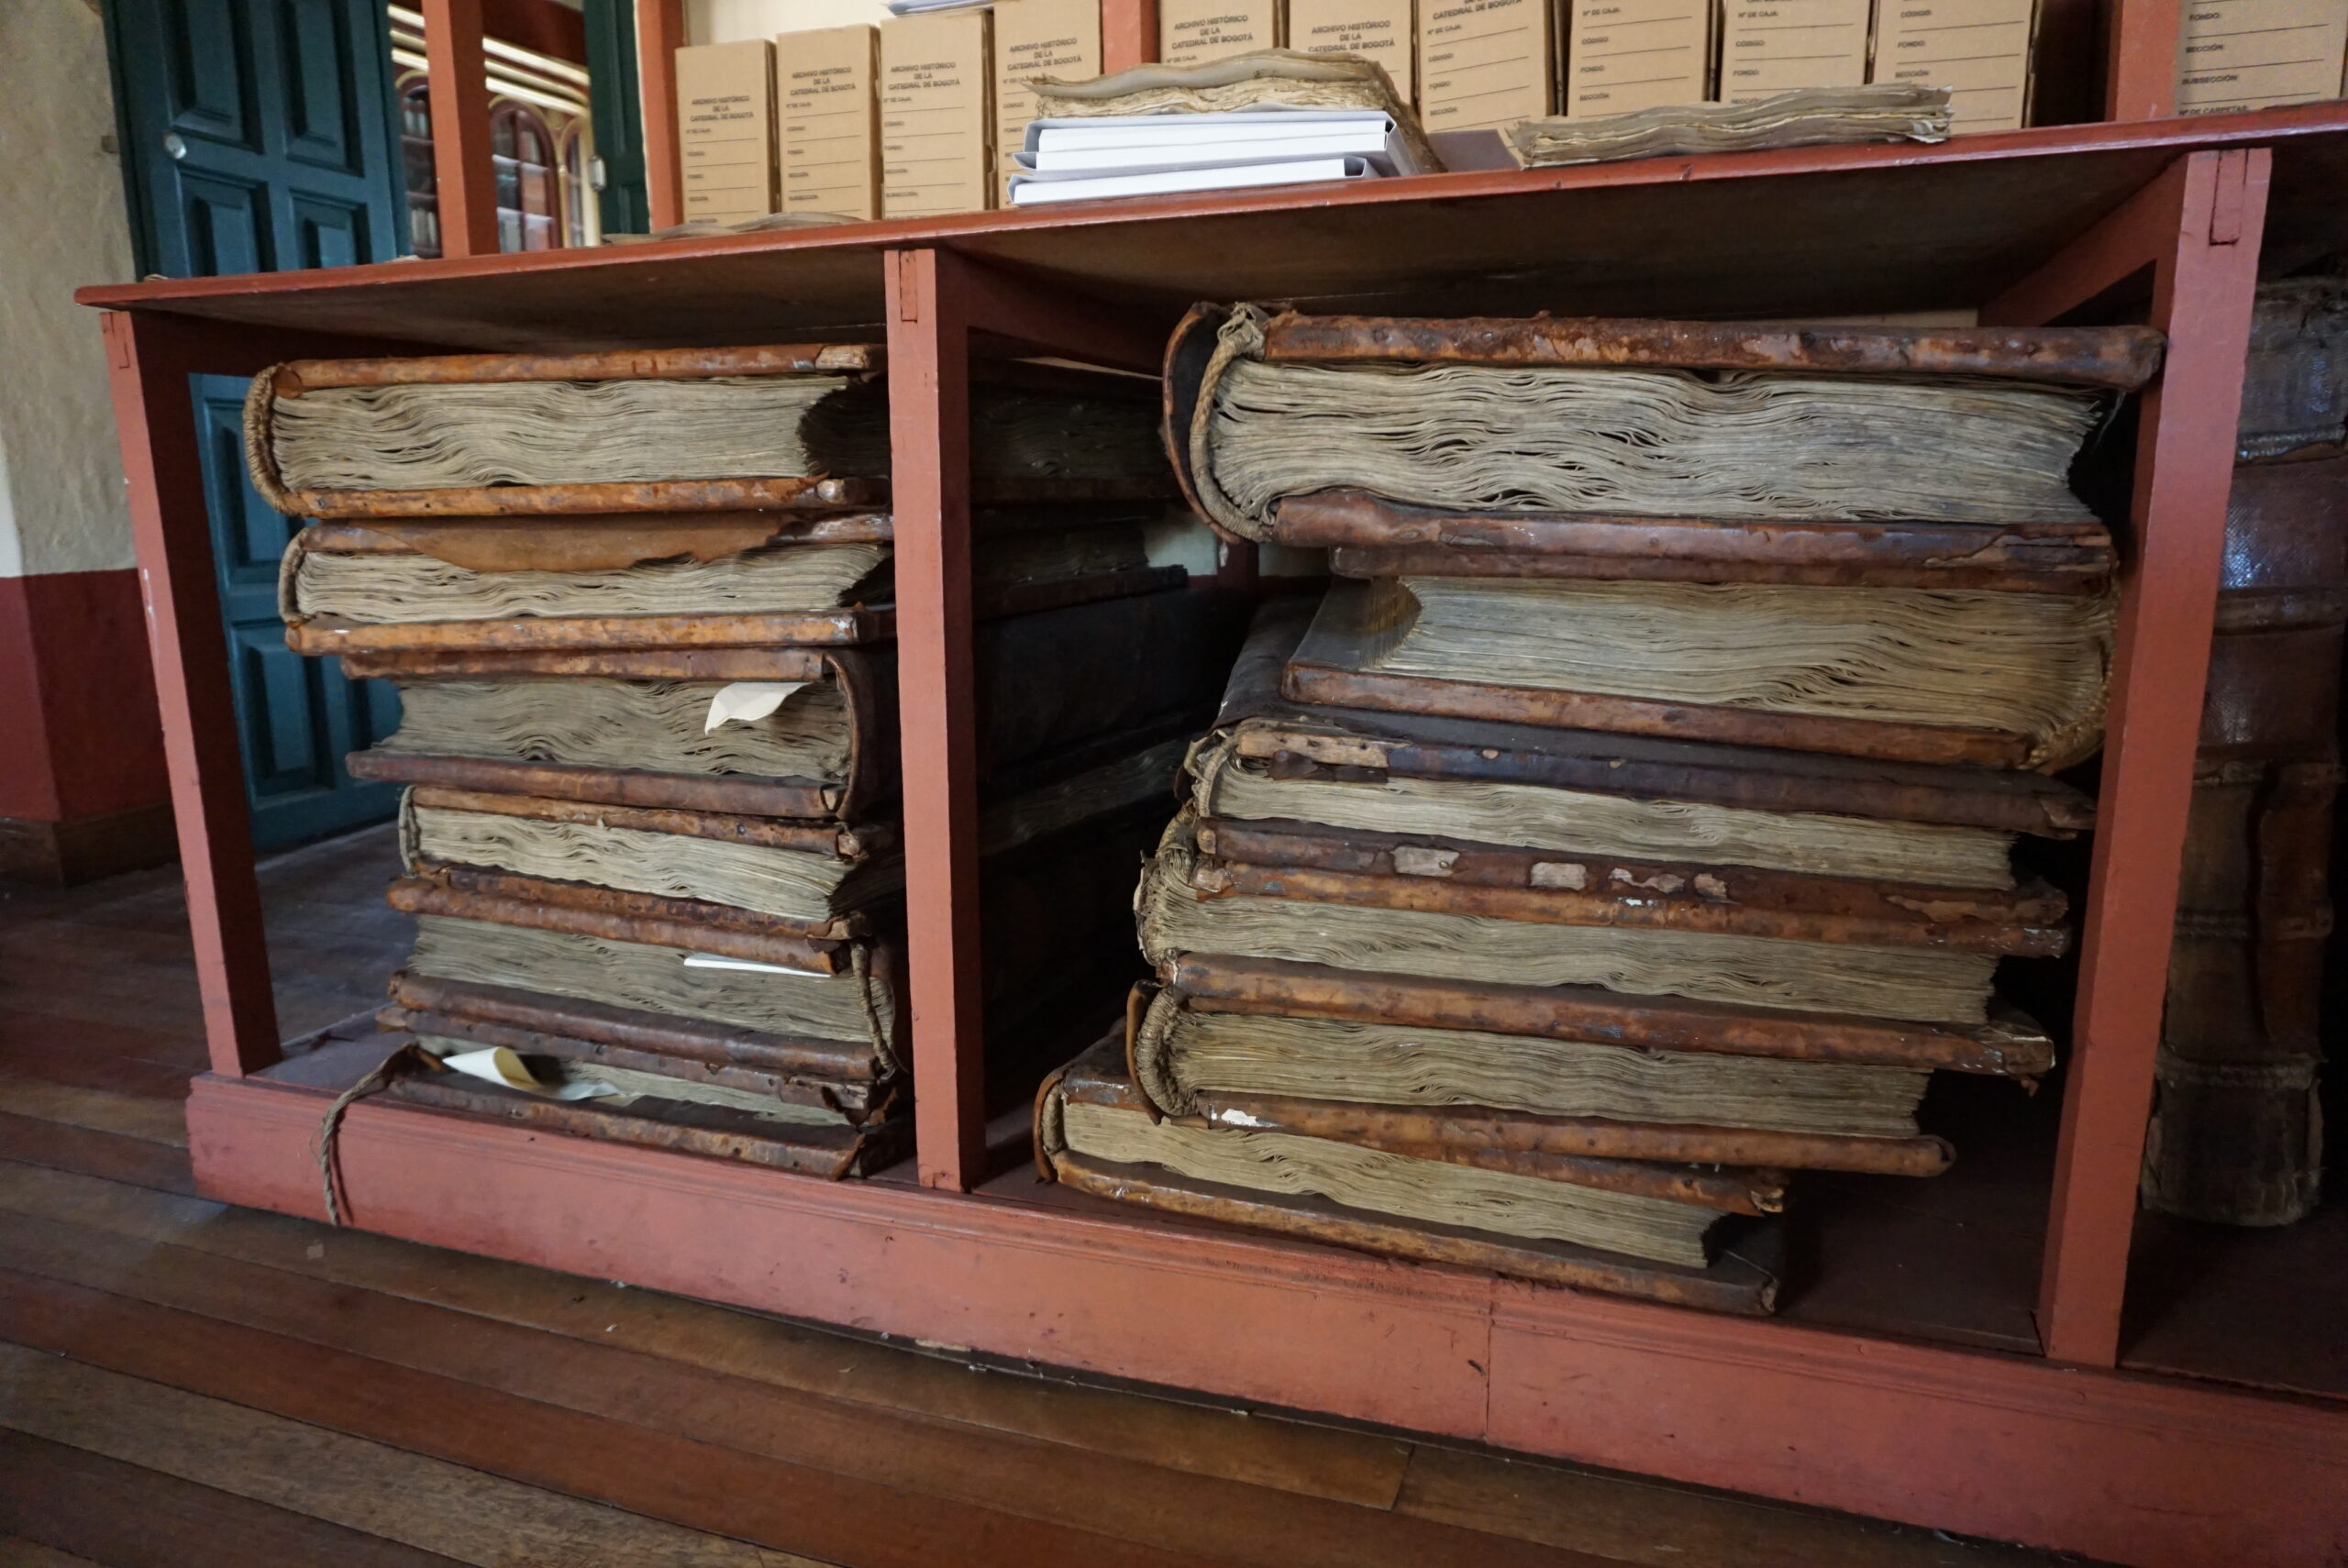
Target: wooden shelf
(1845,1404)
(1802,232)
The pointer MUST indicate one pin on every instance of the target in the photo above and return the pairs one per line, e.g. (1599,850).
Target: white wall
(61,225)
(730,21)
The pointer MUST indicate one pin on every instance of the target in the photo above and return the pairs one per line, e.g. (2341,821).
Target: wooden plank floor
(184,1385)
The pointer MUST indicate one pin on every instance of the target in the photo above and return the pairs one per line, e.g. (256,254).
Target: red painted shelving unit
(1980,1383)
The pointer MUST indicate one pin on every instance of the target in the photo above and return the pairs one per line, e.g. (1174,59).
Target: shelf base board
(2115,1466)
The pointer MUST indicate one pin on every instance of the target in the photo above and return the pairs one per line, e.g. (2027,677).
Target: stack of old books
(638,608)
(1632,825)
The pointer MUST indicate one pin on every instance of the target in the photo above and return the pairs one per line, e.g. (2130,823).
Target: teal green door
(257,136)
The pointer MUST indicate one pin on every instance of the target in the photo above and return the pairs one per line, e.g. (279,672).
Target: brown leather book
(1275,734)
(1313,430)
(629,727)
(2237,1132)
(830,1152)
(842,1077)
(1888,674)
(1095,1132)
(777,428)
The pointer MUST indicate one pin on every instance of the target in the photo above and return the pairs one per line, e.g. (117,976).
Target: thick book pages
(1423,871)
(1916,983)
(833,1152)
(1094,1132)
(840,1079)
(1809,117)
(1178,1054)
(1629,423)
(810,876)
(858,1006)
(633,728)
(362,577)
(2006,1045)
(1257,80)
(679,430)
(344,588)
(1990,679)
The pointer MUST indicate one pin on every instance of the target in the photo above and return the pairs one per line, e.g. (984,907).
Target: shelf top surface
(1802,231)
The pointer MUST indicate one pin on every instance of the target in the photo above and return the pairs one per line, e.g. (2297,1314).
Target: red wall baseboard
(83,737)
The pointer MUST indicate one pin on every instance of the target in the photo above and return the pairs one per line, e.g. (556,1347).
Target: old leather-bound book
(1825,455)
(802,733)
(1463,1089)
(802,427)
(2237,1133)
(1998,680)
(1095,1132)
(395,585)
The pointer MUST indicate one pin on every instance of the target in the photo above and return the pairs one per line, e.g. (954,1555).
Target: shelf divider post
(660,33)
(149,361)
(929,481)
(463,174)
(2196,228)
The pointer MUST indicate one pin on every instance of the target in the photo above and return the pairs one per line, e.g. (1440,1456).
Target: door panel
(296,717)
(224,223)
(257,136)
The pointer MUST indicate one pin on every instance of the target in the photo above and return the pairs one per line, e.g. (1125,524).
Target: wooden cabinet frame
(2058,1451)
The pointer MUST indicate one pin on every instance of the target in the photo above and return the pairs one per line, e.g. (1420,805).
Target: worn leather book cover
(840,1076)
(794,427)
(1309,862)
(1473,1096)
(630,727)
(833,1153)
(2007,1045)
(1741,1275)
(2236,1135)
(1230,369)
(344,588)
(1288,738)
(1430,646)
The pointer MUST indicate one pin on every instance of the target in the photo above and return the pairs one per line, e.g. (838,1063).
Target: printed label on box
(1191,32)
(1777,46)
(827,126)
(2259,54)
(1637,54)
(933,121)
(1378,30)
(1979,49)
(1483,63)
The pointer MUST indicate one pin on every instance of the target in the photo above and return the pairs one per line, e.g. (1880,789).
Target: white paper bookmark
(503,1067)
(747,702)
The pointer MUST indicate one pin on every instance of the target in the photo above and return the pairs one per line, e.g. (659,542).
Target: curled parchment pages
(747,702)
(501,1066)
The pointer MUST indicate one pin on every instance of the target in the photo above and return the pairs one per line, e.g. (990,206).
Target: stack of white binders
(1163,154)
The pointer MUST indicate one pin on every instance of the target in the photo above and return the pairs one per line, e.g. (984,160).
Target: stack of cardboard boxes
(920,114)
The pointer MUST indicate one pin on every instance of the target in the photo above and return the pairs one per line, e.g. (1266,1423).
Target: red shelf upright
(2055,1450)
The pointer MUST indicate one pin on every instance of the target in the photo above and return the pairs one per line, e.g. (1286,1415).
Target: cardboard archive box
(726,129)
(1036,38)
(935,123)
(1776,46)
(1380,30)
(1623,55)
(2256,54)
(1191,32)
(827,121)
(1483,64)
(1979,49)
